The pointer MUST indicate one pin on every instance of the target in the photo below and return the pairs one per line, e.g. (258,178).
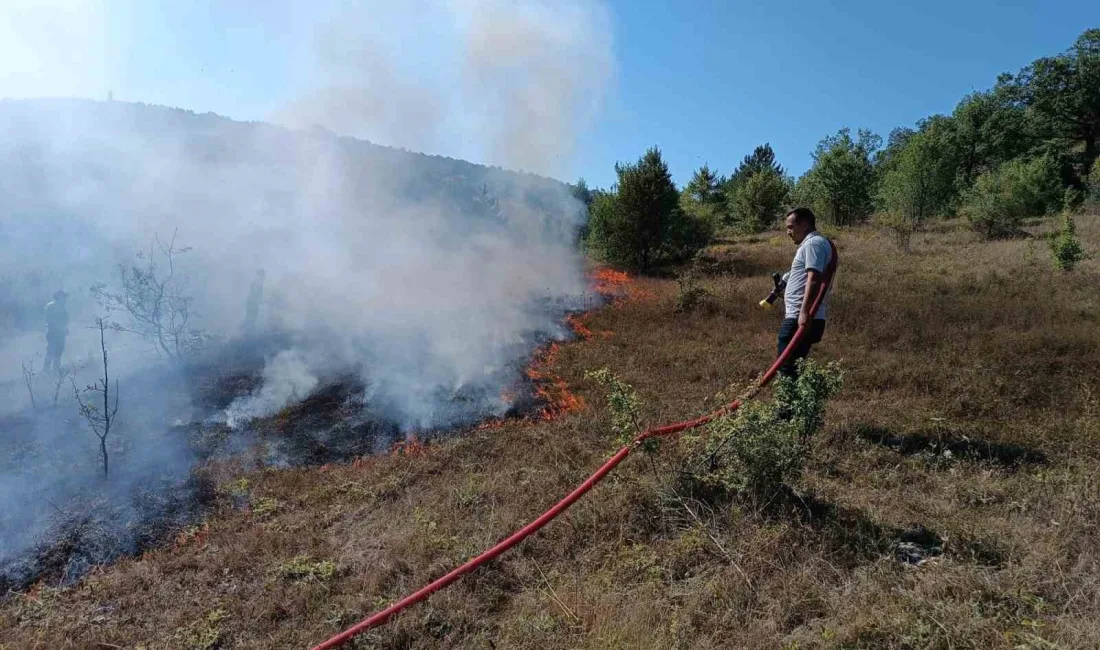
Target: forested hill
(49,147)
(84,184)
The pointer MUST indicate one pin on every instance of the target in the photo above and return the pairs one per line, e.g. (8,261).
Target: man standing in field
(812,258)
(57,328)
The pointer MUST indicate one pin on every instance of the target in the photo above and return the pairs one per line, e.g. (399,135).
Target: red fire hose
(515,538)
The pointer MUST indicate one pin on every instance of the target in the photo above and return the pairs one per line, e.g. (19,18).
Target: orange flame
(551,389)
(197,535)
(490,425)
(617,284)
(577,324)
(608,281)
(412,446)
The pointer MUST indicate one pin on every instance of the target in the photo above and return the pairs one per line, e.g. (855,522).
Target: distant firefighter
(57,328)
(252,307)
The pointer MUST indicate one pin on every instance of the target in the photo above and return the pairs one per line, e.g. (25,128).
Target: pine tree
(640,223)
(757,203)
(760,159)
(705,197)
(705,187)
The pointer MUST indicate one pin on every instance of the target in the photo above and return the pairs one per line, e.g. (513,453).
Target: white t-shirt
(814,253)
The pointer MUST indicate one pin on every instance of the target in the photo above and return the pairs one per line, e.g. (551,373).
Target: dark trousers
(786,332)
(55,345)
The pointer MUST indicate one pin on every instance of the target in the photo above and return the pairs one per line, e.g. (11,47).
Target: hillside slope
(967,430)
(296,259)
(83,183)
(30,127)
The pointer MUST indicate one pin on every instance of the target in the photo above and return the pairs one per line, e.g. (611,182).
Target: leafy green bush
(1002,198)
(803,400)
(917,173)
(840,187)
(691,295)
(704,197)
(920,181)
(761,447)
(1065,246)
(203,634)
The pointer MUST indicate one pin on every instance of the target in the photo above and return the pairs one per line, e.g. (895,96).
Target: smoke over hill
(427,278)
(423,272)
(423,282)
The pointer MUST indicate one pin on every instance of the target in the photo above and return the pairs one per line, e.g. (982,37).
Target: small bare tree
(28,380)
(58,380)
(100,419)
(155,298)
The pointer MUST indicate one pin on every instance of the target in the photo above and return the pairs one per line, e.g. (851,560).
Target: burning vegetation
(577,323)
(550,389)
(331,424)
(341,353)
(245,403)
(609,282)
(618,285)
(552,397)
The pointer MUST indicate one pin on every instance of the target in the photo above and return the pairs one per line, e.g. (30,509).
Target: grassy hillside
(966,432)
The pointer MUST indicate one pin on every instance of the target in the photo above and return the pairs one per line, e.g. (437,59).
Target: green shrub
(640,223)
(303,568)
(803,400)
(1073,199)
(691,295)
(204,634)
(265,507)
(704,197)
(840,187)
(761,447)
(623,401)
(918,184)
(757,201)
(1002,198)
(1065,246)
(1094,185)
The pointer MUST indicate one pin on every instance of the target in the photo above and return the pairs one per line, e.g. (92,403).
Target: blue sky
(709,83)
(706,81)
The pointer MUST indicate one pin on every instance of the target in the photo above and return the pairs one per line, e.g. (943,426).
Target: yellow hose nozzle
(765,304)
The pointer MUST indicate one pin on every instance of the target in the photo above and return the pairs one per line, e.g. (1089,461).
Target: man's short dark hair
(804,215)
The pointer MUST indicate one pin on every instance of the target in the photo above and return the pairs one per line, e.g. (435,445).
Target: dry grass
(968,421)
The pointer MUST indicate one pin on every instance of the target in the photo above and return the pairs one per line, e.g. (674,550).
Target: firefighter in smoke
(252,306)
(57,328)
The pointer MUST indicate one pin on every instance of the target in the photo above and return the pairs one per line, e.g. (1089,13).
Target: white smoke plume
(392,267)
(286,379)
(514,83)
(539,71)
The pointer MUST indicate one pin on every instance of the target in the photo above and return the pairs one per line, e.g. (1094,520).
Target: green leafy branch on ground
(623,402)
